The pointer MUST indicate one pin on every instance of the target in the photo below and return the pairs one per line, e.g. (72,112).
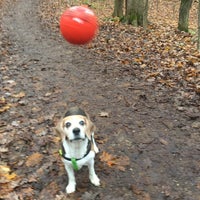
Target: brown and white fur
(77,132)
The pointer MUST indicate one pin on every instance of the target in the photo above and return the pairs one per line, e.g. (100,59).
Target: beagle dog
(78,145)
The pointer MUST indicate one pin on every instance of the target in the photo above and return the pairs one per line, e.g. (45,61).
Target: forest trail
(154,140)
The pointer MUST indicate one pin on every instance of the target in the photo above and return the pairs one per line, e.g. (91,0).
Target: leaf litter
(119,162)
(160,55)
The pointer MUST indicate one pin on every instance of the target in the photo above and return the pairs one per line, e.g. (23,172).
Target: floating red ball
(78,25)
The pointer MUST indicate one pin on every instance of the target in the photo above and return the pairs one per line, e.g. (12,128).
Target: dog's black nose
(76,131)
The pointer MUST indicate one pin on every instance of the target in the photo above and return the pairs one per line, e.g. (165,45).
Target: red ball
(78,25)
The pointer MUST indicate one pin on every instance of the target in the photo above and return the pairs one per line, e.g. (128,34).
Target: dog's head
(76,125)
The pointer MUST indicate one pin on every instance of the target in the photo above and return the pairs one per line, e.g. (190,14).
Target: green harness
(74,160)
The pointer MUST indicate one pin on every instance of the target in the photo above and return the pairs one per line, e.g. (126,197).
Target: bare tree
(137,12)
(184,15)
(118,8)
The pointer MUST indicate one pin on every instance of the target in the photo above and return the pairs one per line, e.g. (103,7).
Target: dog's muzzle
(76,132)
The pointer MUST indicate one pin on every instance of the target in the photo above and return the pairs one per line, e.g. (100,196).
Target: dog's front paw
(70,188)
(95,180)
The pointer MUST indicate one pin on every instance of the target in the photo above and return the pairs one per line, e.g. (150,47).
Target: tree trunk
(136,12)
(184,15)
(145,14)
(198,42)
(118,8)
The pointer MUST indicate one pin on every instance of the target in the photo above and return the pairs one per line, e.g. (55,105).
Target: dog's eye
(68,124)
(82,123)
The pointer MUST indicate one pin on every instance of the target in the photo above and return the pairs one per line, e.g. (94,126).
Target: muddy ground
(156,127)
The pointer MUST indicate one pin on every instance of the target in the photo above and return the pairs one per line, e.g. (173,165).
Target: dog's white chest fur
(75,149)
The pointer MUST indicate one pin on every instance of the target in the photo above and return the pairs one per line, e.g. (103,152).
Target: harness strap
(62,152)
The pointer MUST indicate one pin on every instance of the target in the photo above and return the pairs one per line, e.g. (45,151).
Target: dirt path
(159,134)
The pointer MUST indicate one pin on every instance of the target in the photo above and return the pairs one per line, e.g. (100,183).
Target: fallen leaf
(2,100)
(162,141)
(5,108)
(89,196)
(19,95)
(141,194)
(101,140)
(3,150)
(108,159)
(48,94)
(15,123)
(41,131)
(34,159)
(119,162)
(11,196)
(27,192)
(55,139)
(4,169)
(146,196)
(35,109)
(8,180)
(49,191)
(136,190)
(166,190)
(104,114)
(60,196)
(122,162)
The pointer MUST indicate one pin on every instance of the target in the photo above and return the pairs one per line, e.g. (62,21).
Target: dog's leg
(71,187)
(92,175)
(96,150)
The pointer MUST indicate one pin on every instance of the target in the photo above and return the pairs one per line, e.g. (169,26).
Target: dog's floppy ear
(59,129)
(90,128)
